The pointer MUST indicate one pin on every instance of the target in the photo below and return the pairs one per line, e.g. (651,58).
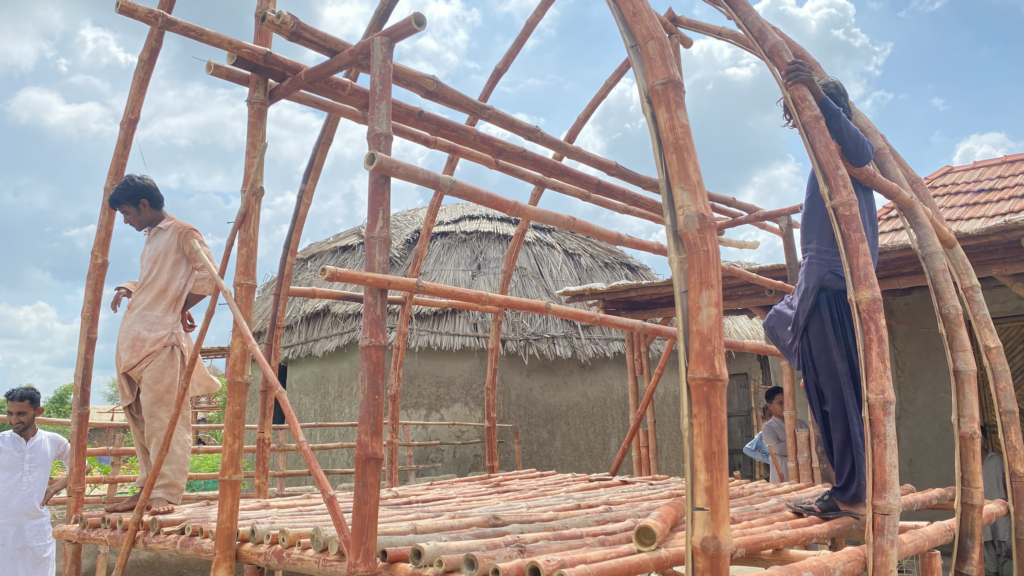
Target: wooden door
(741,428)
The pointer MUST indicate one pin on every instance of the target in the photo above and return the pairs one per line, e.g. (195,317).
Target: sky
(936,76)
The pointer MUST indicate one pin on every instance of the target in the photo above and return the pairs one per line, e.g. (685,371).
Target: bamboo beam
(731,213)
(652,424)
(373,343)
(402,30)
(736,272)
(760,216)
(803,454)
(238,369)
(420,252)
(360,278)
(1016,286)
(329,497)
(637,417)
(430,88)
(281,448)
(864,294)
(326,294)
(282,282)
(250,198)
(634,401)
(96,276)
(720,32)
(124,425)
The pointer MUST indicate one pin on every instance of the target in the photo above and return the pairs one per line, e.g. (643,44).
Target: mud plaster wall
(572,416)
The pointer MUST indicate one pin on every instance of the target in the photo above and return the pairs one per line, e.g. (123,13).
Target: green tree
(58,404)
(110,391)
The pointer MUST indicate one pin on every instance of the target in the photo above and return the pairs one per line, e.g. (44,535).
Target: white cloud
(620,118)
(876,101)
(939,104)
(984,146)
(82,236)
(36,346)
(924,6)
(828,29)
(775,184)
(99,47)
(28,34)
(47,108)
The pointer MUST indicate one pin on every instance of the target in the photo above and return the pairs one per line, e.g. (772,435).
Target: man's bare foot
(125,506)
(158,506)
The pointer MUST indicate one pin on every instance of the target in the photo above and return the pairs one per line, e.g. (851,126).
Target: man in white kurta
(27,454)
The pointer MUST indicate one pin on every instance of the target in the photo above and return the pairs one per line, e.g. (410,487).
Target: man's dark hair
(771,393)
(24,394)
(832,88)
(133,189)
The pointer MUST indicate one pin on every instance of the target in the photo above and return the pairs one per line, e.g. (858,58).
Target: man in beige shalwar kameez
(153,343)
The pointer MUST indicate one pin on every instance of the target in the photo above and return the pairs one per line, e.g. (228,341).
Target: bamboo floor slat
(524,523)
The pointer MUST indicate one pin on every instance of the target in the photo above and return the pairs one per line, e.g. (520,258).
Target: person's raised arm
(855,146)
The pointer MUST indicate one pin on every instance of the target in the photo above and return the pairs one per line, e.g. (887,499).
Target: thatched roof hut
(466,250)
(556,379)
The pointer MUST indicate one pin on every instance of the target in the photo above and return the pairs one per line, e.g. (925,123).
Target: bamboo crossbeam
(124,425)
(760,216)
(288,26)
(327,294)
(723,33)
(129,451)
(402,30)
(359,278)
(282,397)
(96,276)
(382,164)
(732,213)
(129,478)
(737,272)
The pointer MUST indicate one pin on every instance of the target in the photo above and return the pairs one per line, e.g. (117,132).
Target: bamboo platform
(524,523)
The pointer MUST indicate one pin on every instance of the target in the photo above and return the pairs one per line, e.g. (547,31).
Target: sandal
(827,508)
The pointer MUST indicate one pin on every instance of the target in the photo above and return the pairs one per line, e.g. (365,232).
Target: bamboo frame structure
(569,525)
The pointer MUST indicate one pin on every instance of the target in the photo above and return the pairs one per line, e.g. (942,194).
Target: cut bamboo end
(470,565)
(645,538)
(280,16)
(117,6)
(419,21)
(416,555)
(534,569)
(371,160)
(230,58)
(210,66)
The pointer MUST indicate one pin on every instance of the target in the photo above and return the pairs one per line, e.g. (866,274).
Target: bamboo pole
(731,213)
(803,454)
(759,216)
(652,425)
(250,197)
(429,87)
(283,448)
(373,342)
(406,28)
(96,276)
(282,460)
(707,377)
(775,461)
(423,243)
(238,369)
(411,476)
(360,278)
(325,294)
(864,294)
(634,402)
(103,551)
(789,416)
(282,282)
(124,425)
(330,500)
(931,563)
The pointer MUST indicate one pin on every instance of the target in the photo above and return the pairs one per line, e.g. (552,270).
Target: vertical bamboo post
(411,474)
(865,299)
(652,430)
(815,461)
(415,267)
(638,376)
(634,399)
(373,343)
(931,563)
(282,460)
(238,371)
(707,375)
(518,445)
(645,457)
(803,455)
(94,281)
(789,415)
(115,469)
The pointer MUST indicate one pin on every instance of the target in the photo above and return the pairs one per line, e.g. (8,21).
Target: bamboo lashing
(282,398)
(88,334)
(250,197)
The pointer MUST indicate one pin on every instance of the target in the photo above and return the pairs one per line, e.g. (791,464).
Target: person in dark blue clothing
(813,327)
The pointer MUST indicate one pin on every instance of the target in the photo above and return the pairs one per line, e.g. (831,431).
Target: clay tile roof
(972,198)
